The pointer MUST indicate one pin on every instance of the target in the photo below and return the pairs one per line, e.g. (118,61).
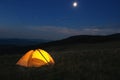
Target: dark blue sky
(56,19)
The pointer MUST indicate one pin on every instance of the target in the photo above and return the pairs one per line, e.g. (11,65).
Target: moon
(75,4)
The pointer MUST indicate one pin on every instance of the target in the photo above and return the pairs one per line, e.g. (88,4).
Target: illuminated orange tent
(36,58)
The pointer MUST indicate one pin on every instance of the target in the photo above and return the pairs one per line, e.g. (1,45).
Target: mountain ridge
(85,39)
(16,41)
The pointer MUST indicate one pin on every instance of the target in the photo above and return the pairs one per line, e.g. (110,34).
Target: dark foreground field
(100,61)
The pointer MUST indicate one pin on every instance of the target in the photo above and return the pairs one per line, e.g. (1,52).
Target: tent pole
(43,56)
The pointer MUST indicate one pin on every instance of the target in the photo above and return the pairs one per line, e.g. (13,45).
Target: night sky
(57,19)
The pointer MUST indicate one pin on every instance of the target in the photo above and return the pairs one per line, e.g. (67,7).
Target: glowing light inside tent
(36,58)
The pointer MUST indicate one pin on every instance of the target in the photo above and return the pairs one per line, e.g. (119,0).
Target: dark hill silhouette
(92,38)
(24,42)
(70,41)
(85,39)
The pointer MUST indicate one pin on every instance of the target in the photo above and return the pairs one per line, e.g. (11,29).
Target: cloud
(10,32)
(53,32)
(58,30)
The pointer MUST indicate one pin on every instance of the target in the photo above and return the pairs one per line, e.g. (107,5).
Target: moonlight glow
(75,4)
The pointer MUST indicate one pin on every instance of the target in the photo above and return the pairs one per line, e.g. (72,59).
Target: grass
(72,62)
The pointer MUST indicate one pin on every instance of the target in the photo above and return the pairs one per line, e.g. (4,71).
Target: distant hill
(13,46)
(92,38)
(85,39)
(22,41)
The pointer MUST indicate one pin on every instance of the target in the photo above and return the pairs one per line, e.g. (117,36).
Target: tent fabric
(35,58)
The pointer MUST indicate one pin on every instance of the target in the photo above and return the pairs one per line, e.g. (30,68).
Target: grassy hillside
(85,61)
